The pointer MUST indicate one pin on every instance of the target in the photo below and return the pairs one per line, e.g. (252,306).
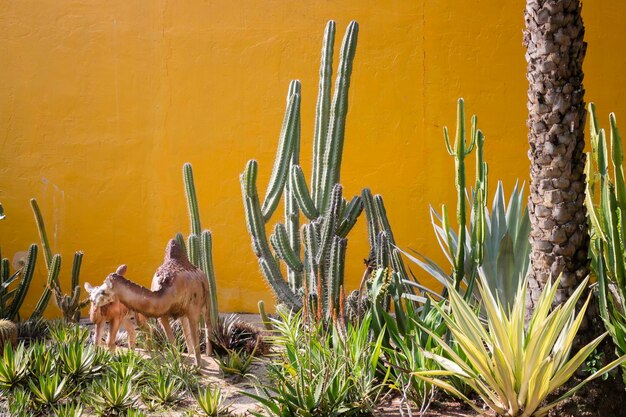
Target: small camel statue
(107,308)
(179,290)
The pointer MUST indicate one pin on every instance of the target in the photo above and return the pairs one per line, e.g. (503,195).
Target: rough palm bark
(556,120)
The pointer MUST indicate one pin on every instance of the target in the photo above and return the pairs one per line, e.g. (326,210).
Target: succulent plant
(199,244)
(315,278)
(8,333)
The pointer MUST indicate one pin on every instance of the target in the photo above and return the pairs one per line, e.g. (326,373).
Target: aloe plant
(606,205)
(315,277)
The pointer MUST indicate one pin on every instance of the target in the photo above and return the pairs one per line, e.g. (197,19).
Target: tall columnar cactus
(53,263)
(199,245)
(459,152)
(319,271)
(10,311)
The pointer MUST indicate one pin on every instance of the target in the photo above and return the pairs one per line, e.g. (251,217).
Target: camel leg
(195,338)
(184,323)
(114,326)
(165,323)
(99,333)
(209,330)
(130,329)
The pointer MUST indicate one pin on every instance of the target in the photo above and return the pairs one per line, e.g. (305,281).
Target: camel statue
(107,308)
(179,290)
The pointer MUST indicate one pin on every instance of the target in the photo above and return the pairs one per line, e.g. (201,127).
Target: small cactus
(8,334)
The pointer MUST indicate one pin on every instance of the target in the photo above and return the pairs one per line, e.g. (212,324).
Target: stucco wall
(102,102)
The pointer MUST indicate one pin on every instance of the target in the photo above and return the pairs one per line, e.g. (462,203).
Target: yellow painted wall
(102,102)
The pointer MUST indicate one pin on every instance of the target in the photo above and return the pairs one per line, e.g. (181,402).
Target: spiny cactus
(315,278)
(8,333)
(459,152)
(71,304)
(199,244)
(11,301)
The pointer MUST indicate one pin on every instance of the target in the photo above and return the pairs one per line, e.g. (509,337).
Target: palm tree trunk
(556,121)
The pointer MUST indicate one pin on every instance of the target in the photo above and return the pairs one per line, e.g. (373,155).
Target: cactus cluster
(314,278)
(606,207)
(11,300)
(199,243)
(71,304)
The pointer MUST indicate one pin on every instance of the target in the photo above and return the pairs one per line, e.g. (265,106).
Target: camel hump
(175,251)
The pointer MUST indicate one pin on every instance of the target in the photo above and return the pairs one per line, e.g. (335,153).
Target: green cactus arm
(181,241)
(350,215)
(617,158)
(459,137)
(382,259)
(284,250)
(614,234)
(256,228)
(311,248)
(78,260)
(338,111)
(336,271)
(193,243)
(373,228)
(283,156)
(192,199)
(5,271)
(331,219)
(303,197)
(322,112)
(292,212)
(41,228)
(53,279)
(206,242)
(22,288)
(282,291)
(593,127)
(381,212)
(27,277)
(446,139)
(264,318)
(473,133)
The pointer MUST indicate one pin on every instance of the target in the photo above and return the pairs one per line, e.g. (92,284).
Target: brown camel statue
(179,290)
(107,308)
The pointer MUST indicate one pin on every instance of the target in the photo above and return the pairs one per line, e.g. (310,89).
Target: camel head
(103,294)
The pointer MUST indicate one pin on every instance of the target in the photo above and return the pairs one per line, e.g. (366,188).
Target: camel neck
(141,299)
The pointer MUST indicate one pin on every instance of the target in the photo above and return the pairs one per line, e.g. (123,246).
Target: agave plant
(13,366)
(114,395)
(235,362)
(20,403)
(211,401)
(513,368)
(79,361)
(69,410)
(163,388)
(47,391)
(42,361)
